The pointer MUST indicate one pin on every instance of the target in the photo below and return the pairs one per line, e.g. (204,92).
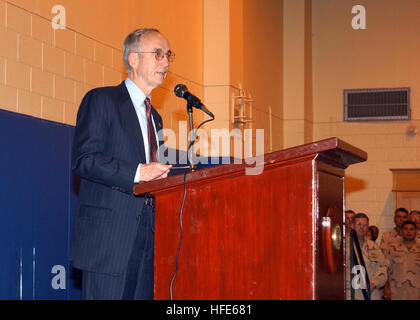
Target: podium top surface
(332,151)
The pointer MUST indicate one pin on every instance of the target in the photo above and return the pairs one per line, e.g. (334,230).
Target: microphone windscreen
(180,89)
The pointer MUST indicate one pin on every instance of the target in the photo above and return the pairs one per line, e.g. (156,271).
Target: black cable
(180,239)
(182,207)
(351,247)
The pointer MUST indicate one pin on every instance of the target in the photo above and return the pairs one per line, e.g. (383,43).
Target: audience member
(349,214)
(404,266)
(375,263)
(374,231)
(391,236)
(415,217)
(369,234)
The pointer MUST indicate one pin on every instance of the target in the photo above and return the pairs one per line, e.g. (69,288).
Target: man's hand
(153,171)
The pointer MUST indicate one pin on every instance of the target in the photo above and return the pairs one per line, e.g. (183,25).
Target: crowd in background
(391,266)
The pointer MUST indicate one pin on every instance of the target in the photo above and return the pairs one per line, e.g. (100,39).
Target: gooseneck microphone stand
(192,136)
(191,103)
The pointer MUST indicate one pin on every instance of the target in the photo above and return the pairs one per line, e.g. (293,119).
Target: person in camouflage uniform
(375,262)
(349,214)
(391,236)
(415,217)
(404,267)
(374,231)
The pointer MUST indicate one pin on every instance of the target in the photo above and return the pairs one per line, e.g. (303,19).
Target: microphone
(181,91)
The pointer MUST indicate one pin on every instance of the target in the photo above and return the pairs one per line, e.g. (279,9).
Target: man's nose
(165,60)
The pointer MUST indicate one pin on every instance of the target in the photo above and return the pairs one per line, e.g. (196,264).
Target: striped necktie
(151,132)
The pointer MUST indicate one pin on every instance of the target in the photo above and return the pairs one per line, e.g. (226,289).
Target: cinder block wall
(384,55)
(45,72)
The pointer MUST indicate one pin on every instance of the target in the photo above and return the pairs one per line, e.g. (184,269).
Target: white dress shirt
(137,97)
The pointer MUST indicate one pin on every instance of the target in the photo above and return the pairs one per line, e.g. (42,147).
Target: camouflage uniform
(404,271)
(392,237)
(389,237)
(376,267)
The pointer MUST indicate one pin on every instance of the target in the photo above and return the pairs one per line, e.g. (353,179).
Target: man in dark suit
(115,146)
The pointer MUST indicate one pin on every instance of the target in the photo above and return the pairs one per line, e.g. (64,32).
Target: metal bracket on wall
(241,108)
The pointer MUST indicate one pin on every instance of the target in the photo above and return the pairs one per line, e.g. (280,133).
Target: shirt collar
(137,96)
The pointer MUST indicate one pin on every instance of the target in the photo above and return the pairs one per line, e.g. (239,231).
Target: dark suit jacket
(107,148)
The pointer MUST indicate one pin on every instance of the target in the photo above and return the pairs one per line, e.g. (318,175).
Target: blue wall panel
(37,203)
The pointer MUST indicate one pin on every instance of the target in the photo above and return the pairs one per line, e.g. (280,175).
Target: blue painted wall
(37,203)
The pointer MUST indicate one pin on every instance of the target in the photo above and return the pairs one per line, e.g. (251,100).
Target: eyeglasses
(159,54)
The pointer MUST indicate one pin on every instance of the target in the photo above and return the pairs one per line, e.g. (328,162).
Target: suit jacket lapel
(130,120)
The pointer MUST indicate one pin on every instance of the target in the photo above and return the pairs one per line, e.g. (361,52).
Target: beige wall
(296,75)
(384,55)
(45,72)
(263,66)
(219,45)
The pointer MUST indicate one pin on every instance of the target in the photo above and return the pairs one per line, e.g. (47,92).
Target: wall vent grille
(377,104)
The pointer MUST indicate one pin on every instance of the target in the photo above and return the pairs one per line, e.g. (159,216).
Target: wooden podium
(275,235)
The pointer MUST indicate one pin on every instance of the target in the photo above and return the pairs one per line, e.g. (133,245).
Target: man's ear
(133,60)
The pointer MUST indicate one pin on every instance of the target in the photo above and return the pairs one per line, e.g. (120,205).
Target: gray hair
(132,43)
